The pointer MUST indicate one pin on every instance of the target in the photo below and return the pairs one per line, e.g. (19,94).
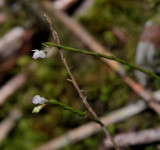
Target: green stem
(73,110)
(103,56)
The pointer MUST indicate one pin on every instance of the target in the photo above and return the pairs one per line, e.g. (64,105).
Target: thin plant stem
(103,56)
(71,109)
(74,82)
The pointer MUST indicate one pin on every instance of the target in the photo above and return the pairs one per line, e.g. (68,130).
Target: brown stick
(119,34)
(136,138)
(12,86)
(91,128)
(74,82)
(7,124)
(3,17)
(14,44)
(83,8)
(1,3)
(63,4)
(88,40)
(11,42)
(139,89)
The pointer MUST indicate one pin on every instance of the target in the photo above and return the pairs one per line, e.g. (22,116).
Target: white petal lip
(38,100)
(38,54)
(35,99)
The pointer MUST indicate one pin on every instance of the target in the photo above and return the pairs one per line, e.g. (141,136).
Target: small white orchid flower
(38,100)
(38,54)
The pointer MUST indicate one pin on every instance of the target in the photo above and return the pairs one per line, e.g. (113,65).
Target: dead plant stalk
(74,82)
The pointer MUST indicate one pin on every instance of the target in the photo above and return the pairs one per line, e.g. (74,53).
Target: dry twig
(7,124)
(56,38)
(64,4)
(136,138)
(12,86)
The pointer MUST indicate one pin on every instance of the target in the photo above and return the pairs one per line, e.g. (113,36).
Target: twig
(7,124)
(3,16)
(64,4)
(11,42)
(119,34)
(103,56)
(56,38)
(136,138)
(91,128)
(12,86)
(146,95)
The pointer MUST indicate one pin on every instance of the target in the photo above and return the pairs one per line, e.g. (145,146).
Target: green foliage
(150,148)
(125,14)
(111,129)
(23,61)
(23,137)
(110,37)
(104,93)
(154,3)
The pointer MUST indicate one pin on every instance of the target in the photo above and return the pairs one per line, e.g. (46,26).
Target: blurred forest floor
(105,91)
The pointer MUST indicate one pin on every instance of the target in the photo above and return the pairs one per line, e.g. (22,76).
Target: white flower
(38,54)
(38,100)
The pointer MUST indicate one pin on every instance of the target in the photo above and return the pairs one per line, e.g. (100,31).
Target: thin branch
(103,56)
(8,123)
(56,38)
(136,138)
(12,86)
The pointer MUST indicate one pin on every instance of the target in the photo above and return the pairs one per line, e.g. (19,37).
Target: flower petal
(38,100)
(38,54)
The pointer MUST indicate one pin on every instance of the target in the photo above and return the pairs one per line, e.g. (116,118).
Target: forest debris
(91,128)
(83,8)
(63,4)
(156,95)
(14,44)
(7,124)
(2,17)
(12,86)
(119,34)
(146,95)
(136,138)
(1,3)
(11,42)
